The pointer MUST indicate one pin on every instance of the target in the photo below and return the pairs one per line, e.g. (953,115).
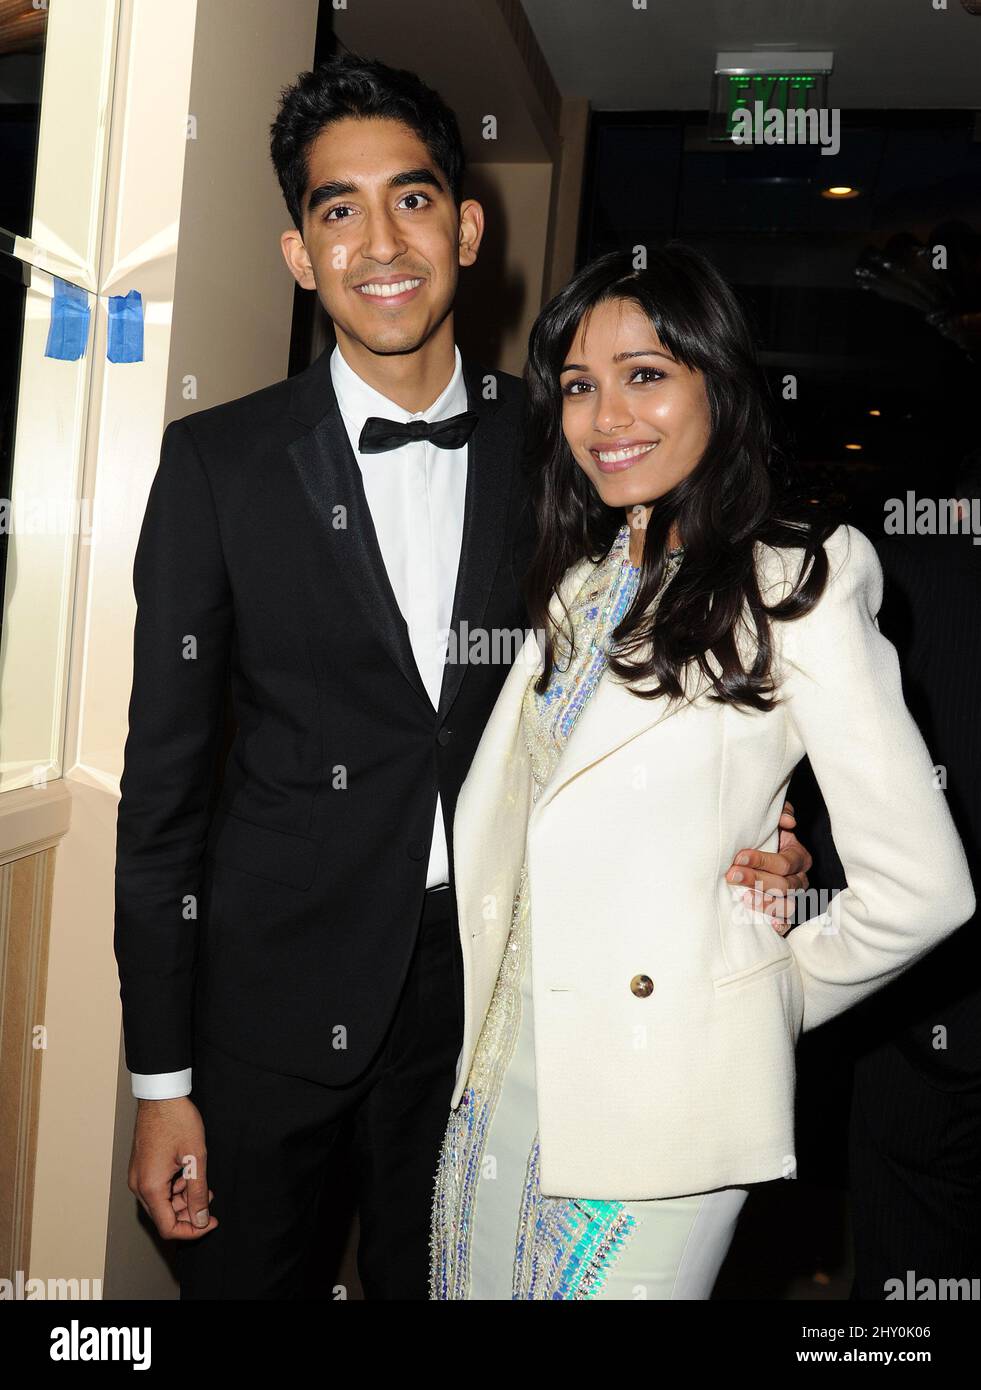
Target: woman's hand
(772,879)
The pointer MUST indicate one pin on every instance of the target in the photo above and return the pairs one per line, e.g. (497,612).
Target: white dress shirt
(416,497)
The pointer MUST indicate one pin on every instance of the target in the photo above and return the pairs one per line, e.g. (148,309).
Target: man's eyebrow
(339,188)
(421,175)
(620,357)
(334,188)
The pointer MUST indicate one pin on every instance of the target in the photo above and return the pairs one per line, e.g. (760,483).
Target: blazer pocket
(754,972)
(278,855)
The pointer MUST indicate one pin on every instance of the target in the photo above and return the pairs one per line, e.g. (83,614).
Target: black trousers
(276,1146)
(914,1161)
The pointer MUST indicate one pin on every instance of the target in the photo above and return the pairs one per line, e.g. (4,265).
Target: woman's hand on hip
(772,880)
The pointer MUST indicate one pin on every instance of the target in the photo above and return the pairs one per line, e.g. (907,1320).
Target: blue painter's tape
(126,327)
(68,331)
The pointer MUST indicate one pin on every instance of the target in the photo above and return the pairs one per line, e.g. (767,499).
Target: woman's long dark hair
(736,496)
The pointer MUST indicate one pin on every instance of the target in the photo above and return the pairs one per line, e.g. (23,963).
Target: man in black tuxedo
(288,954)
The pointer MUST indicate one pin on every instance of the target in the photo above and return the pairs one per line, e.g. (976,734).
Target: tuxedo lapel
(491,462)
(329,474)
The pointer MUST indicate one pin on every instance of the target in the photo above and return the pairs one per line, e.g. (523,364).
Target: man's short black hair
(347,85)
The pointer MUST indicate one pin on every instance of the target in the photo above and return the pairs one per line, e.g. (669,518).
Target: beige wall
(500,296)
(560,259)
(233,300)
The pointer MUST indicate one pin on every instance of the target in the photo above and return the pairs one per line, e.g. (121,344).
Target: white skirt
(670,1248)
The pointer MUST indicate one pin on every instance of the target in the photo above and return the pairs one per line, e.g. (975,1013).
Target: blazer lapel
(612,716)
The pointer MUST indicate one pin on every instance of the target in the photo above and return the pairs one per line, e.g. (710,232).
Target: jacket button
(642,986)
(417,849)
(444,736)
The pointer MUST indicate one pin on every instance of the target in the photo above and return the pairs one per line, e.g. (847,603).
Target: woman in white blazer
(627,1067)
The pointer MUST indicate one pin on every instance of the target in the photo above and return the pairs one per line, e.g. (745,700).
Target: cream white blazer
(692,1087)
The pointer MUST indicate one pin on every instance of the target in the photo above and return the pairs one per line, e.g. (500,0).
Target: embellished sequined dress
(494,1234)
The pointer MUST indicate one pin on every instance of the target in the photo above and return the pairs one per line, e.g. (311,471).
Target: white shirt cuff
(162,1085)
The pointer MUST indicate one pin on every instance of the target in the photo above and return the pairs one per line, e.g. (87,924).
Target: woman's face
(636,420)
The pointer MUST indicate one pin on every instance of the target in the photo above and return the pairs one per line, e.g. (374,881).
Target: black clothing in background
(914,1149)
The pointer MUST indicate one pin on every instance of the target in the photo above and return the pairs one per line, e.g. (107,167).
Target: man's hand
(771,879)
(167,1168)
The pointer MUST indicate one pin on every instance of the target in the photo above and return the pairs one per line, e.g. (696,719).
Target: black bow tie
(380,435)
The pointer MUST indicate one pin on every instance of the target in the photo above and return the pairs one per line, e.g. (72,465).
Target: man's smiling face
(383,239)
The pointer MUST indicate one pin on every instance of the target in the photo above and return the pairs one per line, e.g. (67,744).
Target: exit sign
(777,81)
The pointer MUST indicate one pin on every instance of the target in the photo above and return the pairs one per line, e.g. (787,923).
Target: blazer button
(444,736)
(417,849)
(642,986)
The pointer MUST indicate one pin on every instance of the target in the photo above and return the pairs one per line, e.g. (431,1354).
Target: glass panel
(13,293)
(23,29)
(61,183)
(42,417)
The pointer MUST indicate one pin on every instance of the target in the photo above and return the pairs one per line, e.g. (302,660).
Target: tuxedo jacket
(684,1081)
(277,920)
